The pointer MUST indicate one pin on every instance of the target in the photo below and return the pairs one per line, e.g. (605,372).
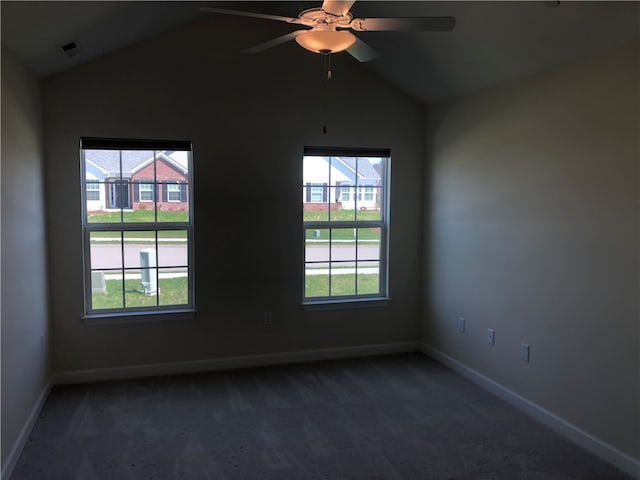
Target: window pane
(316,282)
(369,244)
(316,182)
(343,281)
(139,247)
(140,287)
(317,247)
(170,162)
(173,201)
(174,286)
(314,212)
(102,164)
(105,250)
(343,245)
(173,250)
(96,203)
(369,204)
(106,289)
(368,278)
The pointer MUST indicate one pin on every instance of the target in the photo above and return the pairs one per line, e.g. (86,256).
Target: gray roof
(109,160)
(365,169)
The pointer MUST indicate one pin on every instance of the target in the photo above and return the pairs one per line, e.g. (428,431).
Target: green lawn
(173,291)
(341,215)
(143,234)
(343,234)
(137,216)
(318,285)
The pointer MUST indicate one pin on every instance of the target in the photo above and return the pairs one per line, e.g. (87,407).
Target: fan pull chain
(327,69)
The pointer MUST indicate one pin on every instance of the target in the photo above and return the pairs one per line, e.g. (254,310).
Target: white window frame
(383,295)
(174,188)
(148,188)
(153,312)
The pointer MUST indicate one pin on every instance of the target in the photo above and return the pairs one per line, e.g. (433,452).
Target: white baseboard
(14,454)
(150,370)
(587,441)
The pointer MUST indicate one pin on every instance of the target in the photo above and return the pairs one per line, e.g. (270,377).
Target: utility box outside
(149,278)
(98,284)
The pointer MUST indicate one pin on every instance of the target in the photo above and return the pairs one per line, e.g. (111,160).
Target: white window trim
(148,189)
(147,313)
(365,300)
(172,190)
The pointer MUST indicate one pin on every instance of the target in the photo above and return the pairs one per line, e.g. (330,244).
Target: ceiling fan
(329,24)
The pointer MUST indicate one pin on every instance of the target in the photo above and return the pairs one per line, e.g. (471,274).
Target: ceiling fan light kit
(326,41)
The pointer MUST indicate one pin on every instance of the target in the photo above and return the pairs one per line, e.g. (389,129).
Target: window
(146,192)
(317,193)
(93,190)
(368,194)
(345,196)
(173,193)
(138,246)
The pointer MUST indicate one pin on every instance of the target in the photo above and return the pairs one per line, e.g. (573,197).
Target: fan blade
(436,24)
(276,41)
(362,52)
(337,7)
(253,15)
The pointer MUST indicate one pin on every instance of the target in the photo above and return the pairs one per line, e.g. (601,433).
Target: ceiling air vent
(69,49)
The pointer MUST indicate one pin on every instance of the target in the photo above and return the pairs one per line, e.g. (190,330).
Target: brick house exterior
(169,191)
(132,182)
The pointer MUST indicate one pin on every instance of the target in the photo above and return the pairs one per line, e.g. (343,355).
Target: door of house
(119,194)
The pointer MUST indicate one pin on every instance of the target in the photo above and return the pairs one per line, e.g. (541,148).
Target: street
(172,255)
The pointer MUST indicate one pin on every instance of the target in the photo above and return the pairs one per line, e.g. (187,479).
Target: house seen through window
(137,226)
(345,196)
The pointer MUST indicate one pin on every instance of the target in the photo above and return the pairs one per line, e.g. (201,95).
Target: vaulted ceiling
(492,42)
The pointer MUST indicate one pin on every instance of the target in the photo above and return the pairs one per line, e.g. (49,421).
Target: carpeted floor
(391,417)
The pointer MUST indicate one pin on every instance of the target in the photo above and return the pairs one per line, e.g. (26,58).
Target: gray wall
(25,366)
(249,117)
(533,225)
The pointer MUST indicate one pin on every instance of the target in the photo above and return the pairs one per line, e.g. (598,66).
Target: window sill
(138,317)
(319,305)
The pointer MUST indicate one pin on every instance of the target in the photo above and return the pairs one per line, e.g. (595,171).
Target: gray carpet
(391,417)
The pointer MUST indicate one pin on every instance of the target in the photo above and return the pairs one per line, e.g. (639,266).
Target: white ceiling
(493,41)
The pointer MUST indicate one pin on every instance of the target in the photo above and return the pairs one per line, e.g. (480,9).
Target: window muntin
(138,244)
(345,234)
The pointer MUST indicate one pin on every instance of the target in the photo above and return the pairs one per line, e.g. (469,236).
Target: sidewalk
(137,240)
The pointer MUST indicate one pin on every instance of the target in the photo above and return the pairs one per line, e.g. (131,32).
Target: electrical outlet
(491,336)
(461,325)
(524,352)
(268,318)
